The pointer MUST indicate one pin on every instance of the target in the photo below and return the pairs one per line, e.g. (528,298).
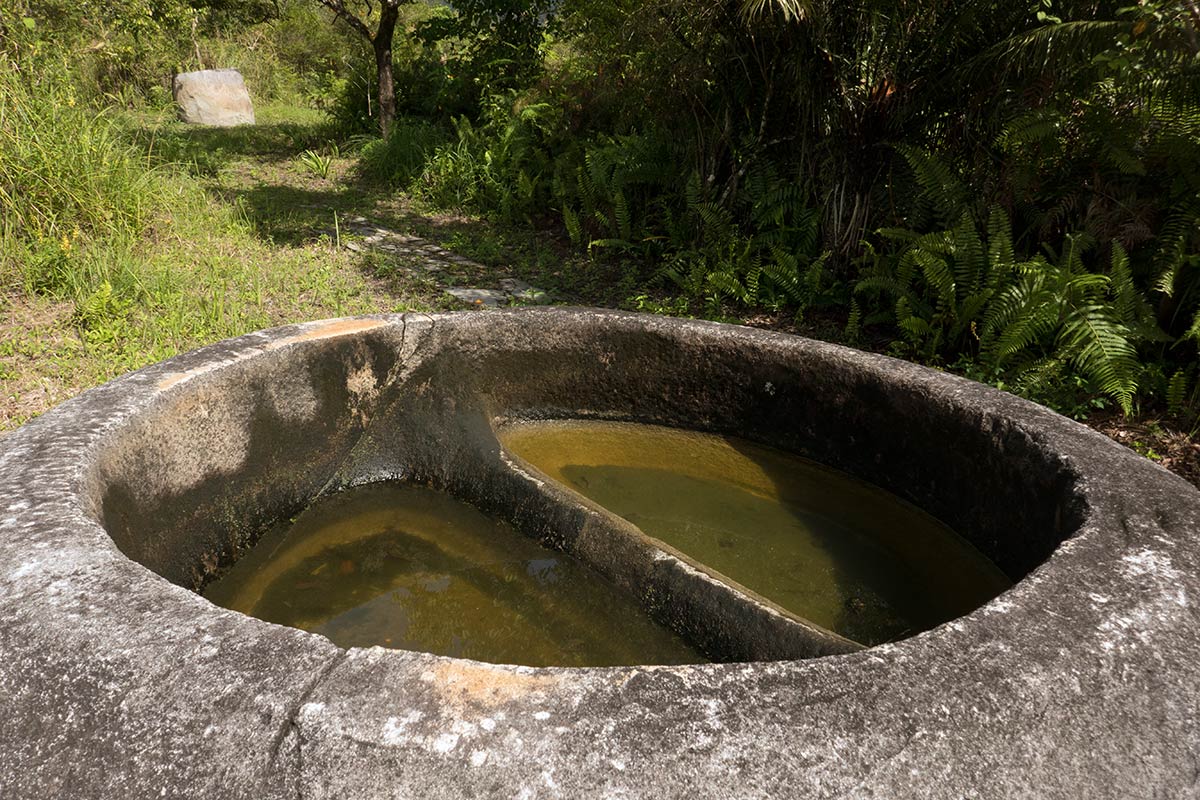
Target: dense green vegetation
(1008,190)
(112,253)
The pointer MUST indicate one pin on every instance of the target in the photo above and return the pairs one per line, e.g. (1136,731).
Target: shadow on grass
(292,213)
(296,216)
(204,151)
(288,207)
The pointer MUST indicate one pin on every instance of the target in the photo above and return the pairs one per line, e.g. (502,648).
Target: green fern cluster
(620,193)
(623,195)
(771,260)
(959,292)
(500,167)
(1037,323)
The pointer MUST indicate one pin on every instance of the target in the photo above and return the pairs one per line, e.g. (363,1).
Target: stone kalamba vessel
(1082,680)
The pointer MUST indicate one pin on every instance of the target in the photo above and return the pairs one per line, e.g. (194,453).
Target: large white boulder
(213,97)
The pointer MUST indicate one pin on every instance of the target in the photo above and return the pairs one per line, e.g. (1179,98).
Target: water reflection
(411,568)
(828,548)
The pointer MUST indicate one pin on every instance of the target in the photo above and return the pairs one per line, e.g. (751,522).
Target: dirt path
(424,260)
(290,203)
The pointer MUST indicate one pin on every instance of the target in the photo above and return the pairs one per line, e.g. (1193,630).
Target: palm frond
(789,10)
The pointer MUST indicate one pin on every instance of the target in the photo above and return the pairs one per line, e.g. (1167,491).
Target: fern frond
(1100,348)
(1177,391)
(1032,127)
(1023,314)
(1000,259)
(786,279)
(621,212)
(1165,282)
(1192,333)
(725,283)
(817,271)
(1174,235)
(903,235)
(1033,377)
(945,192)
(753,283)
(970,311)
(718,222)
(854,322)
(692,192)
(573,225)
(1128,302)
(916,328)
(885,284)
(587,191)
(970,264)
(938,275)
(1125,294)
(775,205)
(1070,261)
(940,242)
(1089,284)
(611,244)
(526,186)
(1126,162)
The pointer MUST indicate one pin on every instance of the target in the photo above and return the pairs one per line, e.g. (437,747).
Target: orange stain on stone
(481,685)
(341,327)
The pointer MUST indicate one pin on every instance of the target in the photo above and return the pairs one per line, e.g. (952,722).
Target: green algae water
(407,567)
(830,549)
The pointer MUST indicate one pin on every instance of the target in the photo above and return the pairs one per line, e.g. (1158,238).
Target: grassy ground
(256,239)
(260,247)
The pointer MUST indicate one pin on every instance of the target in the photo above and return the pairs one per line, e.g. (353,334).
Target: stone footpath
(424,259)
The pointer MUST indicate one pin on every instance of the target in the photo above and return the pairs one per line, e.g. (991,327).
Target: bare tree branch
(338,7)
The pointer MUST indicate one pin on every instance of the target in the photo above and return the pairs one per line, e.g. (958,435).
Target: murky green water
(407,567)
(829,548)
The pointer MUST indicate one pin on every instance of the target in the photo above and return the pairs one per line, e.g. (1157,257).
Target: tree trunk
(383,65)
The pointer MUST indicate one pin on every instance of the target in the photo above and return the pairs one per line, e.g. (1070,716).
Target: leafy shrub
(402,157)
(318,164)
(500,167)
(495,44)
(622,192)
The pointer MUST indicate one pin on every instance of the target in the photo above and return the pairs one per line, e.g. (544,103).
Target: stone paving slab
(480,297)
(431,261)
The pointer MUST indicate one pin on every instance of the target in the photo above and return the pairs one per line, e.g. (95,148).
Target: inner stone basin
(835,551)
(226,455)
(408,567)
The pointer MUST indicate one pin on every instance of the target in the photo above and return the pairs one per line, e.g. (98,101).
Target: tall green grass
(76,197)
